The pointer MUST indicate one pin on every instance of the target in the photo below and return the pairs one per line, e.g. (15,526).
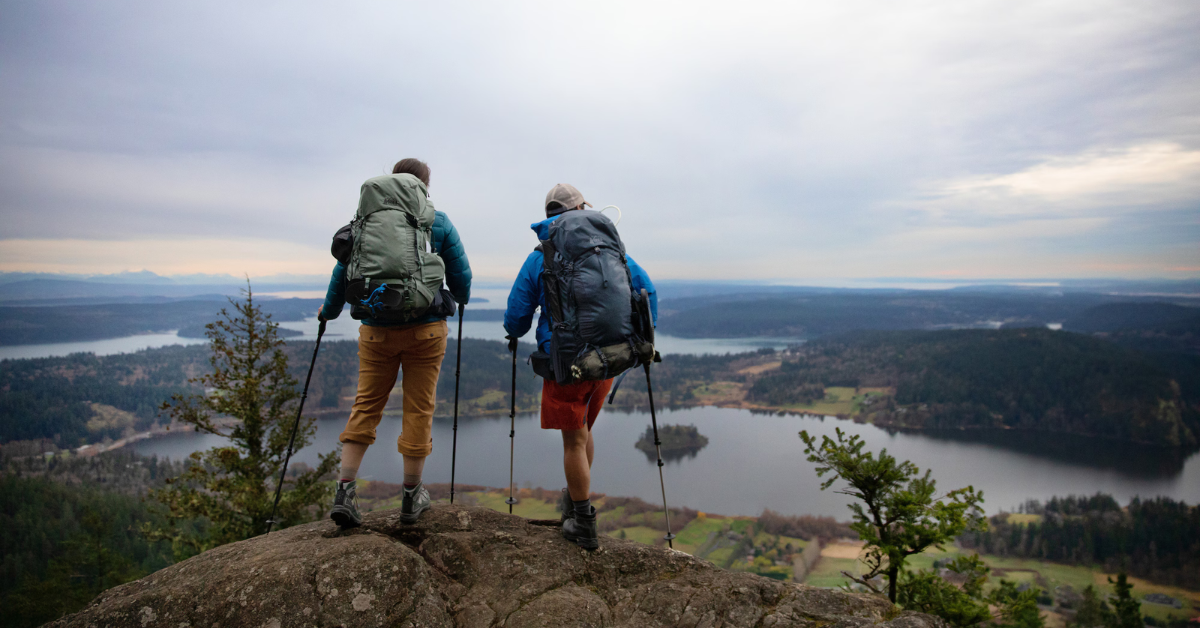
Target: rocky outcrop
(467,568)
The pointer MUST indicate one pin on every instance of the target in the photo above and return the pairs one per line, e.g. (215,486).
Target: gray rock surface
(467,568)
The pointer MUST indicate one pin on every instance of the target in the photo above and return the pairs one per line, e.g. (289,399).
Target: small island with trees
(677,440)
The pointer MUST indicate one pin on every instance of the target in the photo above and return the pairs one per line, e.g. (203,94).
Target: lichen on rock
(467,568)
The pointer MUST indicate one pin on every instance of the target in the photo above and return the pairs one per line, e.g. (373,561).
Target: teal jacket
(445,243)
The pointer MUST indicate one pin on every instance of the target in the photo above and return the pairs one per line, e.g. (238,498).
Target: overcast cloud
(766,141)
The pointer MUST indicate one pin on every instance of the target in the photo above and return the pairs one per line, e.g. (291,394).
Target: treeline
(1033,379)
(806,527)
(815,315)
(71,528)
(1156,539)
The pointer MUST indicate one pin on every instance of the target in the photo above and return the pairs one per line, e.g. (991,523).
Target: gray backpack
(391,274)
(597,327)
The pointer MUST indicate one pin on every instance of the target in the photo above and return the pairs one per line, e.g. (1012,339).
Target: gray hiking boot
(415,502)
(565,506)
(582,531)
(345,506)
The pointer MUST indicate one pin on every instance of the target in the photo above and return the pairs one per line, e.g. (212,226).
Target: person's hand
(319,308)
(512,344)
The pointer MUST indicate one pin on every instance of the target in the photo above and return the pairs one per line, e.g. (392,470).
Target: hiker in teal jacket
(445,243)
(384,349)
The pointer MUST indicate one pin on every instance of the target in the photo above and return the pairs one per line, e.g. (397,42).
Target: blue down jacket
(527,294)
(445,243)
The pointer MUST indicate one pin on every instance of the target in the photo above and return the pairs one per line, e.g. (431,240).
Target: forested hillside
(1027,379)
(1014,379)
(54,398)
(1157,539)
(82,398)
(71,528)
(1161,328)
(815,315)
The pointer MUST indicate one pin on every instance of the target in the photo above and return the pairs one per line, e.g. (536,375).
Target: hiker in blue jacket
(527,295)
(572,408)
(384,348)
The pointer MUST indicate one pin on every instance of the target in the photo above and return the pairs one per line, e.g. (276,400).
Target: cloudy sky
(779,141)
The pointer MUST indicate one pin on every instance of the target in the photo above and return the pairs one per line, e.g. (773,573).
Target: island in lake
(677,441)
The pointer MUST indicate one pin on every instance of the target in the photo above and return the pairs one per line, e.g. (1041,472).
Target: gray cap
(566,195)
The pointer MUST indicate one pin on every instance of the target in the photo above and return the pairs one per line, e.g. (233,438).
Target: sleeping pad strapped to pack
(392,276)
(597,329)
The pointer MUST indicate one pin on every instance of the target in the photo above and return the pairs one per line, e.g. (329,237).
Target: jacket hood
(542,229)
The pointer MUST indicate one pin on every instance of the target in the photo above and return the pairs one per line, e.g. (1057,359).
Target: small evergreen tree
(1017,609)
(232,487)
(1127,611)
(900,513)
(1092,611)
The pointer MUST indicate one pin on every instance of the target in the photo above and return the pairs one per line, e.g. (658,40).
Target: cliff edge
(467,568)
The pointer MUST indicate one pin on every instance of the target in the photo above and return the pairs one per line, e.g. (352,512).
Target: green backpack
(392,275)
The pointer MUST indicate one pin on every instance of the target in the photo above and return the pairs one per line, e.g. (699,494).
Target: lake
(110,346)
(755,461)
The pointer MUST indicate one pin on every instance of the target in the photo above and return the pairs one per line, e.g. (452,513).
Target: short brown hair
(413,166)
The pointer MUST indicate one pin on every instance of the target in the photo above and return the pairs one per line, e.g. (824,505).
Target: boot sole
(583,541)
(344,518)
(404,518)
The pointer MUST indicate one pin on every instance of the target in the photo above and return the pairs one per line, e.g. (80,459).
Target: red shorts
(572,407)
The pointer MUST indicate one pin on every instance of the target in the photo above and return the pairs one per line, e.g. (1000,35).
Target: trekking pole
(457,372)
(658,450)
(295,426)
(645,314)
(512,430)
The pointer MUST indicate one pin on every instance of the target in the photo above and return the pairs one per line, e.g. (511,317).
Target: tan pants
(382,353)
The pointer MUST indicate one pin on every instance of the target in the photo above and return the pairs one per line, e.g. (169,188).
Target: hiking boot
(345,506)
(566,506)
(415,502)
(582,531)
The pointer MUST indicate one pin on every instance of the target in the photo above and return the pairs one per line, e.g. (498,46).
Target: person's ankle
(582,508)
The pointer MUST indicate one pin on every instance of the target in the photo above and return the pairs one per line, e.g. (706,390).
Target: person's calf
(575,463)
(414,467)
(352,457)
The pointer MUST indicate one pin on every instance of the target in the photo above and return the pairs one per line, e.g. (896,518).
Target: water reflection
(1138,461)
(673,455)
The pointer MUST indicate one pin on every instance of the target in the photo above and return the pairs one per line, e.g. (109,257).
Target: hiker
(393,282)
(578,367)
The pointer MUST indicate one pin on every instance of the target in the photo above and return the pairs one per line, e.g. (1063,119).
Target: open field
(1046,575)
(719,393)
(828,572)
(847,550)
(838,400)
